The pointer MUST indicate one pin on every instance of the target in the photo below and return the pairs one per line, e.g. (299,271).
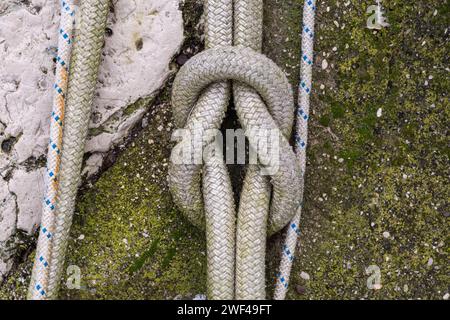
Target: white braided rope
(263,100)
(38,284)
(304,91)
(85,61)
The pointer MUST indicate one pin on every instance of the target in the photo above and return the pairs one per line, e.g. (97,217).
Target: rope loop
(253,70)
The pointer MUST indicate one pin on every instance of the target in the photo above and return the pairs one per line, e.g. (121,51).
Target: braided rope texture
(84,66)
(264,100)
(301,136)
(39,279)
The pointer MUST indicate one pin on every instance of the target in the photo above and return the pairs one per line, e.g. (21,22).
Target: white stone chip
(304,275)
(379,112)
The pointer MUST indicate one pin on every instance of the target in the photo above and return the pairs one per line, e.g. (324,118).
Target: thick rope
(82,82)
(305,87)
(264,101)
(39,278)
(252,219)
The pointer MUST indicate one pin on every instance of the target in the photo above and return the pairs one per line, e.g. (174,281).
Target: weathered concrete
(142,37)
(376,187)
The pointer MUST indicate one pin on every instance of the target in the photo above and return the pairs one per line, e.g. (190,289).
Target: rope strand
(301,137)
(39,280)
(81,85)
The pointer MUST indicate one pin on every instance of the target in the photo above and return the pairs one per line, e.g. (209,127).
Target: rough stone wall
(376,186)
(142,36)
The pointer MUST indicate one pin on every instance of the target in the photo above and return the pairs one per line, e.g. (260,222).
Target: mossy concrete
(128,239)
(377,181)
(376,185)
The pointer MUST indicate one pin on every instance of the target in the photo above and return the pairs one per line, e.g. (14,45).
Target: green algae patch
(375,222)
(128,239)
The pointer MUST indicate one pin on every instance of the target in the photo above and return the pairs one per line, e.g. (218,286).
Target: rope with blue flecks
(39,279)
(64,180)
(305,87)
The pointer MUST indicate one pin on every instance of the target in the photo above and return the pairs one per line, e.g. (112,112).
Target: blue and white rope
(39,279)
(301,137)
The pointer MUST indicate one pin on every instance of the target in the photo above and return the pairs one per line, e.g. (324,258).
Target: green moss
(127,237)
(337,111)
(391,180)
(95,131)
(139,104)
(14,287)
(134,244)
(325,120)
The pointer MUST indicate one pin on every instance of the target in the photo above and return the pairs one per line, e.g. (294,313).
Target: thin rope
(80,88)
(301,137)
(39,278)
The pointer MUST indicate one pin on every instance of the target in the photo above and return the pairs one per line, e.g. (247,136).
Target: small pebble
(182,59)
(300,289)
(304,275)
(377,286)
(379,112)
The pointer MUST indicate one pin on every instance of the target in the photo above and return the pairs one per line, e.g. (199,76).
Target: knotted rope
(264,102)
